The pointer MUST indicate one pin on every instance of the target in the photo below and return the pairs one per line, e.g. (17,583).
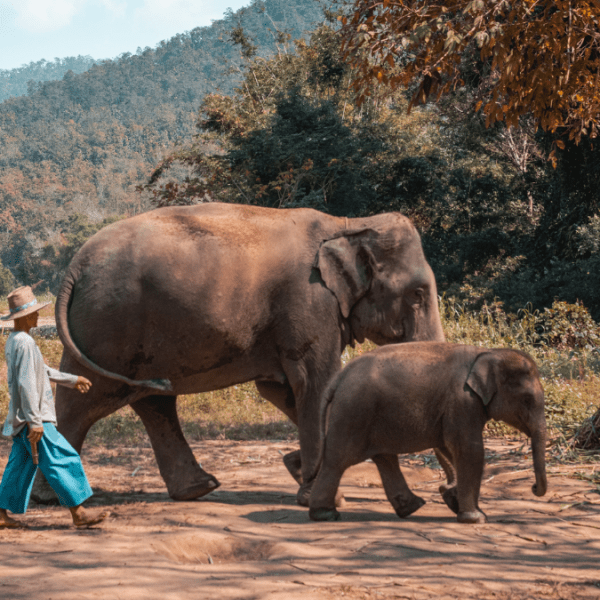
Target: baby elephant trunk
(538,450)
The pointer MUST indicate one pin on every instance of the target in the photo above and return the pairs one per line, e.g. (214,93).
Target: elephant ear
(482,378)
(345,263)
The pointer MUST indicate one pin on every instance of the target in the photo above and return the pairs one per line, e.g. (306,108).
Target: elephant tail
(324,408)
(63,303)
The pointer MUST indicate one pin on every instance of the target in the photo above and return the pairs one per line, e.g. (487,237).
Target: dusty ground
(249,539)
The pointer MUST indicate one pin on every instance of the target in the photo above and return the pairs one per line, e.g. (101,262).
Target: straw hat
(22,302)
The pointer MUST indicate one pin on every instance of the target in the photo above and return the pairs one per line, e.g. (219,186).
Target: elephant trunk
(435,331)
(538,450)
(425,326)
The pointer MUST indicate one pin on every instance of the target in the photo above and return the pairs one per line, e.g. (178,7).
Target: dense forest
(249,110)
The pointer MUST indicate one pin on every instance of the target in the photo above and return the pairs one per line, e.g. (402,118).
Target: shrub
(567,326)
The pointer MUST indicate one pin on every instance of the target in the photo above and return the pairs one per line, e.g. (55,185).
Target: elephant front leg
(469,470)
(307,379)
(282,396)
(310,452)
(396,489)
(184,477)
(303,464)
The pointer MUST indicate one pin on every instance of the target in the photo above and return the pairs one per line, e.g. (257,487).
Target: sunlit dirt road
(249,539)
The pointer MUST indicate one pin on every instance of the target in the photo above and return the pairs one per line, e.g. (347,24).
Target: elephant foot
(324,514)
(303,495)
(405,506)
(197,490)
(42,493)
(451,499)
(474,516)
(293,464)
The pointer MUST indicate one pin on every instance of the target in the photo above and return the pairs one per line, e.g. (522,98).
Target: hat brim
(23,313)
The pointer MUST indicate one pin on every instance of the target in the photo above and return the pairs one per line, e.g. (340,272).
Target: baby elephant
(415,396)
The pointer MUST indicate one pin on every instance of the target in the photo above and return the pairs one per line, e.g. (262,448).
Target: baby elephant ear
(482,377)
(345,268)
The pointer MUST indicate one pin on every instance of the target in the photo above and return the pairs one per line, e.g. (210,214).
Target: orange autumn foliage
(542,57)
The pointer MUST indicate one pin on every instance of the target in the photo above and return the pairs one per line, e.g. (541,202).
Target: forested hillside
(17,82)
(82,144)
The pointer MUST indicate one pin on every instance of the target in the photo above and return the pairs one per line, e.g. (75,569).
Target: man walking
(31,422)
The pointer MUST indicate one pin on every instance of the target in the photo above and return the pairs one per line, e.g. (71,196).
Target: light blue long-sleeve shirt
(31,398)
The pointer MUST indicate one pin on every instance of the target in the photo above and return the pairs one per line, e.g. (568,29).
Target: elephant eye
(419,296)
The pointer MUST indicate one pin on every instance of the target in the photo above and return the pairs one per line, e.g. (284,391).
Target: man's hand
(35,434)
(83,384)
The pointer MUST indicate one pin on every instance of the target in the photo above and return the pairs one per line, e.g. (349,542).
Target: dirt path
(249,539)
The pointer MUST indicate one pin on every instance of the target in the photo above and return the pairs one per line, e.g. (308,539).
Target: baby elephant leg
(402,499)
(448,489)
(469,470)
(323,494)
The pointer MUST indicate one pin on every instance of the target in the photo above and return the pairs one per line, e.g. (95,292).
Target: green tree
(291,135)
(529,72)
(294,135)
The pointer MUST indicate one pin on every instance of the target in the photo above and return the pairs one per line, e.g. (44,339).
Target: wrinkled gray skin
(214,295)
(412,397)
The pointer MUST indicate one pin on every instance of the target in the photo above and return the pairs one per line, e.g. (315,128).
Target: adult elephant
(184,300)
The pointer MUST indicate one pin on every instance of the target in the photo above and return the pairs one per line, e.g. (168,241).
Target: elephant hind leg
(444,458)
(448,490)
(396,489)
(76,413)
(184,477)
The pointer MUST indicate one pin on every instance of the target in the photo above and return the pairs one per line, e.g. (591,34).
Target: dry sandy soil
(249,539)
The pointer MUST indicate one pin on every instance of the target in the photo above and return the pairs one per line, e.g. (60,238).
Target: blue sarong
(58,461)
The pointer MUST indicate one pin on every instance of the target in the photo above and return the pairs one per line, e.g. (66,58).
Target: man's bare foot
(83,520)
(7,522)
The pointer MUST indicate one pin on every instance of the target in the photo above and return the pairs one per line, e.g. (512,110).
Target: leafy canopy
(289,137)
(540,57)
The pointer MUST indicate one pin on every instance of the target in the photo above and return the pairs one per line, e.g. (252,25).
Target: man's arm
(72,381)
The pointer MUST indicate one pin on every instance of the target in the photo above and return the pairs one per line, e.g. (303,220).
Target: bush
(567,326)
(557,279)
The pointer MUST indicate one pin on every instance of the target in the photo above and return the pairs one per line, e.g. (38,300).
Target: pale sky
(31,30)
